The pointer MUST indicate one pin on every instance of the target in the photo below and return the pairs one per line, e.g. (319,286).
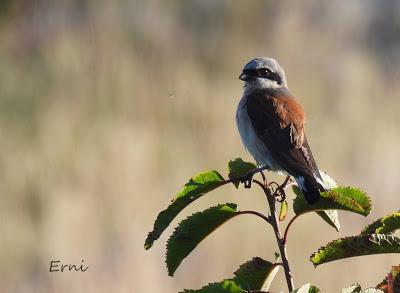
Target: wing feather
(279,123)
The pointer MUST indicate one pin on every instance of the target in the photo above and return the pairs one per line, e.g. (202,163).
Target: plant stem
(285,236)
(256,214)
(273,220)
(280,241)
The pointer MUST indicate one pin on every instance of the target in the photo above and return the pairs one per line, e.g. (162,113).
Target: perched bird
(271,126)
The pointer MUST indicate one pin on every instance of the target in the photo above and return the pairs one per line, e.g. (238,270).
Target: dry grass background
(108,107)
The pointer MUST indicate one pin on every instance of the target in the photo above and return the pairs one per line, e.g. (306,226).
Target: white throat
(263,84)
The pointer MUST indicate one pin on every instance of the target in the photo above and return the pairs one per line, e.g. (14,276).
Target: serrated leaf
(356,246)
(384,225)
(330,216)
(301,206)
(238,168)
(283,211)
(196,187)
(339,198)
(256,274)
(191,231)
(391,284)
(253,275)
(226,286)
(349,199)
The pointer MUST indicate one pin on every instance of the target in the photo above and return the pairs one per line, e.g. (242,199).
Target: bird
(271,125)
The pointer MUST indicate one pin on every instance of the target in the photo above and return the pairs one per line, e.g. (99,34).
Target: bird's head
(263,73)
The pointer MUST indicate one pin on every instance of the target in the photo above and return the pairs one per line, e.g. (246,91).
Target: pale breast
(250,139)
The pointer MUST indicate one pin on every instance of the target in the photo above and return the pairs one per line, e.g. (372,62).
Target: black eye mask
(263,73)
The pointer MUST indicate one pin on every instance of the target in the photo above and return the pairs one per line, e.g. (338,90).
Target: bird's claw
(247,183)
(247,180)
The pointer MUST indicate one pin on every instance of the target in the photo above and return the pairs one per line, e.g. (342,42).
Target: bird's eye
(263,72)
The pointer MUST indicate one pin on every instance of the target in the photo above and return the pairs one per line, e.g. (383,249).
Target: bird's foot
(248,179)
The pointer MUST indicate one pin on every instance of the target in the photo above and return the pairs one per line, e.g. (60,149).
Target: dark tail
(310,188)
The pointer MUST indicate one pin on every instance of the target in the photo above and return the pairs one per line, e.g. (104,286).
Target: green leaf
(191,231)
(226,286)
(385,225)
(314,289)
(196,187)
(356,246)
(271,277)
(256,274)
(329,216)
(238,168)
(283,210)
(339,198)
(301,206)
(348,199)
(306,288)
(391,283)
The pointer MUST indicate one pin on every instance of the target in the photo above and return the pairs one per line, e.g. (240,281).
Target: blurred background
(108,107)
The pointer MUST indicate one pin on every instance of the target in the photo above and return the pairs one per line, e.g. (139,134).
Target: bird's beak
(243,76)
(246,77)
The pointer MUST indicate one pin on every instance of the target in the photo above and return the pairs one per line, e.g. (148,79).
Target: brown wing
(278,120)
